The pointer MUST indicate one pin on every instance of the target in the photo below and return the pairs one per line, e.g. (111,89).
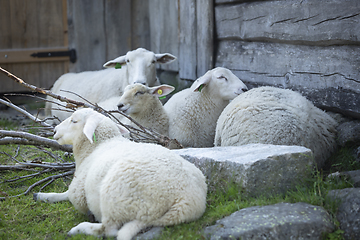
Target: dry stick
(50,178)
(43,91)
(31,140)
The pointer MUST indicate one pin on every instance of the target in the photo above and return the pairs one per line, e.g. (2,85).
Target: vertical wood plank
(187,39)
(5,36)
(164,30)
(140,32)
(32,24)
(205,33)
(117,27)
(87,34)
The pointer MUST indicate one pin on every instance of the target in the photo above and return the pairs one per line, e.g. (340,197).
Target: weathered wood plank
(329,76)
(187,39)
(205,33)
(117,28)
(312,22)
(163,19)
(140,36)
(87,34)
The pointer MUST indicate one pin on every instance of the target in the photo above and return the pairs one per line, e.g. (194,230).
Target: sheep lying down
(137,66)
(272,115)
(128,186)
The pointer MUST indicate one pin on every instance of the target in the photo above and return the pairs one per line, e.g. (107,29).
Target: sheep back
(192,118)
(271,115)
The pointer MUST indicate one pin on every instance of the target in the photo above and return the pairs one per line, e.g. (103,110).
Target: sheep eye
(139,93)
(73,121)
(153,61)
(222,77)
(127,60)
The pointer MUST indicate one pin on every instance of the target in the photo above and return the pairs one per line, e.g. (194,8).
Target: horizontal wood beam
(24,55)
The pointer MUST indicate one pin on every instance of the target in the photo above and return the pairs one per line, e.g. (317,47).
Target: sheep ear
(111,64)
(160,91)
(90,125)
(164,58)
(201,82)
(123,130)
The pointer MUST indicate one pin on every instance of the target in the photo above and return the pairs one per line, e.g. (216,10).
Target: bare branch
(43,91)
(16,137)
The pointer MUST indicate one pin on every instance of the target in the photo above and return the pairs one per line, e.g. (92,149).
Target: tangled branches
(61,169)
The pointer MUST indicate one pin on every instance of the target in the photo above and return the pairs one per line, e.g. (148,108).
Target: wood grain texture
(310,22)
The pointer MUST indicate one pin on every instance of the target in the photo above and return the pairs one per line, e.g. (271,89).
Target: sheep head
(140,65)
(220,81)
(137,95)
(83,122)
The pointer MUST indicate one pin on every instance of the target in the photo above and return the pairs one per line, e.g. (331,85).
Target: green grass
(23,218)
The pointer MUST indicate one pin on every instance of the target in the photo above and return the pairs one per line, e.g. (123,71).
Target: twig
(16,137)
(43,91)
(50,178)
(23,111)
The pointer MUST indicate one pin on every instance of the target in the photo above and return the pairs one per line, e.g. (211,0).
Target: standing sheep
(143,105)
(193,112)
(137,66)
(128,186)
(277,116)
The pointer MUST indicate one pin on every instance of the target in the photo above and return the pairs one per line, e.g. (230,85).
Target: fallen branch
(16,137)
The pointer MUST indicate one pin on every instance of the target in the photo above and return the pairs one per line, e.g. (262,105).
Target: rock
(349,132)
(281,221)
(353,176)
(348,213)
(152,233)
(261,169)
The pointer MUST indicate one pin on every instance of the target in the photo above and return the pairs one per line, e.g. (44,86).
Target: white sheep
(277,116)
(143,105)
(193,112)
(128,186)
(137,66)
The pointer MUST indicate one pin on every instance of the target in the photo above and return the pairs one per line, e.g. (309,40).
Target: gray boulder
(261,169)
(349,132)
(348,211)
(281,221)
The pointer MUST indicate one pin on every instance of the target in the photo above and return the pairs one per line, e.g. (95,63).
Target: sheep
(193,112)
(277,116)
(137,66)
(127,186)
(143,105)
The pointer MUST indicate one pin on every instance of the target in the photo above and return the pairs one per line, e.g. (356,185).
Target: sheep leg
(95,229)
(51,197)
(130,229)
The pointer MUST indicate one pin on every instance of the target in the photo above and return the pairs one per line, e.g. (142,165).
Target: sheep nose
(120,106)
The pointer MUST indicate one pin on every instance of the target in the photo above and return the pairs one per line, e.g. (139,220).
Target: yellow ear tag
(161,92)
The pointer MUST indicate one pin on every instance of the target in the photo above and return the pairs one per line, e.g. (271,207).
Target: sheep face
(140,65)
(73,127)
(221,82)
(137,95)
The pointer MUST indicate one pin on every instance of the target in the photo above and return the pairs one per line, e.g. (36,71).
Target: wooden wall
(183,28)
(31,25)
(310,46)
(103,30)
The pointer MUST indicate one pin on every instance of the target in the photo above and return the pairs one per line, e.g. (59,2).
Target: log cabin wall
(309,46)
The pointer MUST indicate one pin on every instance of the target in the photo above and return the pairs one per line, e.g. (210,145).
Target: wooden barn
(311,46)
